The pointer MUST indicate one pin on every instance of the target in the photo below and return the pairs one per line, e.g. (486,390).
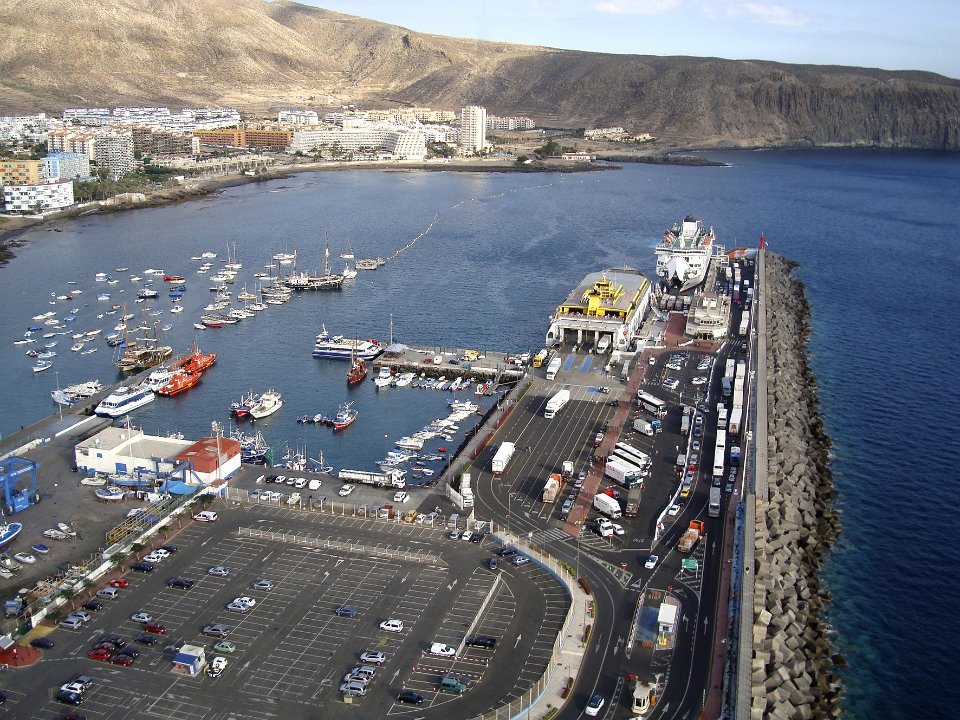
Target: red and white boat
(196,362)
(357,371)
(345,417)
(173,278)
(180,382)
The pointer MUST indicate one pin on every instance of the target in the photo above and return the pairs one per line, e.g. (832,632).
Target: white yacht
(124,399)
(268,404)
(341,348)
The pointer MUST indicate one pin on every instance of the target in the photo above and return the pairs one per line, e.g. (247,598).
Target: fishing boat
(253,448)
(42,365)
(180,382)
(241,408)
(267,405)
(683,256)
(124,399)
(9,532)
(318,466)
(345,418)
(338,347)
(357,370)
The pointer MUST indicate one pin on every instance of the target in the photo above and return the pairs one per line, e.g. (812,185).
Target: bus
(718,452)
(713,509)
(651,404)
(630,451)
(540,358)
(631,464)
(553,368)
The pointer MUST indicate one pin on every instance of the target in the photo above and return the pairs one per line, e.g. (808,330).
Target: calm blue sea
(877,234)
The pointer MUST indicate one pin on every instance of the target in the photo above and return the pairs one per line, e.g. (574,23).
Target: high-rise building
(47,195)
(22,172)
(67,166)
(114,152)
(473,130)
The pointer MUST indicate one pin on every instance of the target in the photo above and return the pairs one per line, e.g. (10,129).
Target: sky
(887,34)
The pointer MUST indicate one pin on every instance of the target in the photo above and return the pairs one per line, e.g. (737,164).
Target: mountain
(260,57)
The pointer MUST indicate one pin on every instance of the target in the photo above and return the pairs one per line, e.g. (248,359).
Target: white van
(314,484)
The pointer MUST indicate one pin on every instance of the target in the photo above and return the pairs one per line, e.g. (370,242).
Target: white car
(154,558)
(617,529)
(374,657)
(74,687)
(216,667)
(466,535)
(441,649)
(401,497)
(294,499)
(345,490)
(392,625)
(206,516)
(162,552)
(651,562)
(673,511)
(219,571)
(244,600)
(142,617)
(700,380)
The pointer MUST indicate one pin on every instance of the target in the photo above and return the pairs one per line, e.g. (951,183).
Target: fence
(329,544)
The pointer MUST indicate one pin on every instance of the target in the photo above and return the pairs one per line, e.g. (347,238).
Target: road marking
(518,641)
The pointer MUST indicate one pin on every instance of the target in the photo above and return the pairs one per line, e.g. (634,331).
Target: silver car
(353,688)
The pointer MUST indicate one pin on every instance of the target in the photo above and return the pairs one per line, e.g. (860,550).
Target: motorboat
(345,417)
(267,405)
(383,378)
(339,347)
(125,399)
(180,382)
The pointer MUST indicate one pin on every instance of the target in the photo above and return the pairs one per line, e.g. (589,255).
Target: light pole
(59,404)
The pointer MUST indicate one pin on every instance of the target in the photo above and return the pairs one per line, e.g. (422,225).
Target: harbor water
(485,258)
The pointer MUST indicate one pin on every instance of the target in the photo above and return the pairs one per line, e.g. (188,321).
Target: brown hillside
(262,56)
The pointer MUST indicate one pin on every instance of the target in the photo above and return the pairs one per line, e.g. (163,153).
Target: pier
(451,363)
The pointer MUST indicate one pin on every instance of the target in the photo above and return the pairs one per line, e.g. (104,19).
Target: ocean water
(877,235)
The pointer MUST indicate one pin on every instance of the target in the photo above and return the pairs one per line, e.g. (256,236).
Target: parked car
(146,639)
(93,605)
(442,650)
(100,654)
(122,659)
(493,563)
(71,623)
(345,490)
(114,640)
(216,630)
(219,571)
(155,628)
(144,567)
(520,560)
(392,625)
(484,641)
(409,696)
(180,582)
(225,646)
(69,698)
(263,585)
(119,583)
(353,688)
(216,667)
(374,657)
(205,516)
(506,551)
(346,611)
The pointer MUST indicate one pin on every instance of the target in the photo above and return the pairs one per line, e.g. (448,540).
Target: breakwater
(794,666)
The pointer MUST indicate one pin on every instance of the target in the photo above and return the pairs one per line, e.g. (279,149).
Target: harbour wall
(793,668)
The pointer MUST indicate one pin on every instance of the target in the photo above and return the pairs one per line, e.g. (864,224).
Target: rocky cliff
(262,56)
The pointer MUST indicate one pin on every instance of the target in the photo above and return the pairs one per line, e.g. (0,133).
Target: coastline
(794,666)
(12,228)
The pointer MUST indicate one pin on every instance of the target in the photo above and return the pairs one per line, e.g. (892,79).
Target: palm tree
(137,548)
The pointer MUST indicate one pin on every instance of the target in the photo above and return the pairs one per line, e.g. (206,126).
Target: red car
(119,583)
(122,659)
(156,628)
(100,654)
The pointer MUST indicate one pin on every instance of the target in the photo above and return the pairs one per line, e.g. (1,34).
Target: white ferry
(342,348)
(124,399)
(684,255)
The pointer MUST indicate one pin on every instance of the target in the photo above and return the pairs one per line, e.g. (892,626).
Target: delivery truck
(554,367)
(552,488)
(556,403)
(691,537)
(607,505)
(501,458)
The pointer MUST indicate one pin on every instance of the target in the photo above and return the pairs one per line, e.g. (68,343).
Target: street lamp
(59,404)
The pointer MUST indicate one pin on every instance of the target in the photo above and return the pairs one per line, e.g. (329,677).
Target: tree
(551,147)
(137,548)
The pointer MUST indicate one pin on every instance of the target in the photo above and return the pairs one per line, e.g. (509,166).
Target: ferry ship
(684,255)
(343,349)
(124,399)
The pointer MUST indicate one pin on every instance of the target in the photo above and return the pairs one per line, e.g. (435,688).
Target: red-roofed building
(212,457)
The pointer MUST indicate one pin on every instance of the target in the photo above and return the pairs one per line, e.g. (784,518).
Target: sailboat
(318,466)
(347,253)
(358,368)
(305,281)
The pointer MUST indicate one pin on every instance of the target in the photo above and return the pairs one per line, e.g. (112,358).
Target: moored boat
(180,382)
(9,532)
(268,404)
(684,254)
(338,347)
(196,361)
(124,399)
(357,370)
(345,417)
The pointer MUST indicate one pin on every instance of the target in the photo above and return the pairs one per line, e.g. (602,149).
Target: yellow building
(606,308)
(22,172)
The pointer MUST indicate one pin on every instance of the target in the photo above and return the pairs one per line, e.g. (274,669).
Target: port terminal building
(128,451)
(607,305)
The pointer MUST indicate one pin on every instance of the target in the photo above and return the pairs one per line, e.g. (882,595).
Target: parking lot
(291,646)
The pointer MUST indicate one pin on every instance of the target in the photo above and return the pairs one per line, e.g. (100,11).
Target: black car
(93,605)
(114,640)
(478,537)
(506,551)
(409,696)
(147,639)
(130,651)
(346,611)
(179,582)
(484,641)
(614,403)
(493,563)
(70,698)
(143,567)
(41,643)
(169,548)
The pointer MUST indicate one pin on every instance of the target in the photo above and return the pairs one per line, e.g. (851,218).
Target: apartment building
(114,152)
(495,122)
(46,195)
(473,130)
(402,143)
(67,166)
(22,172)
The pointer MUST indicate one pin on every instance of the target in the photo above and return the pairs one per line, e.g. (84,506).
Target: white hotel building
(401,143)
(48,195)
(473,130)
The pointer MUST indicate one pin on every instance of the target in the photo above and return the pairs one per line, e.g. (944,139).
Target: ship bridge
(611,303)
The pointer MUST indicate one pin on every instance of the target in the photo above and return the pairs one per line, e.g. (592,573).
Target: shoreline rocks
(794,664)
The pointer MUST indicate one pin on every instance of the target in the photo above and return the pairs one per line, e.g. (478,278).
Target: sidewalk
(567,659)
